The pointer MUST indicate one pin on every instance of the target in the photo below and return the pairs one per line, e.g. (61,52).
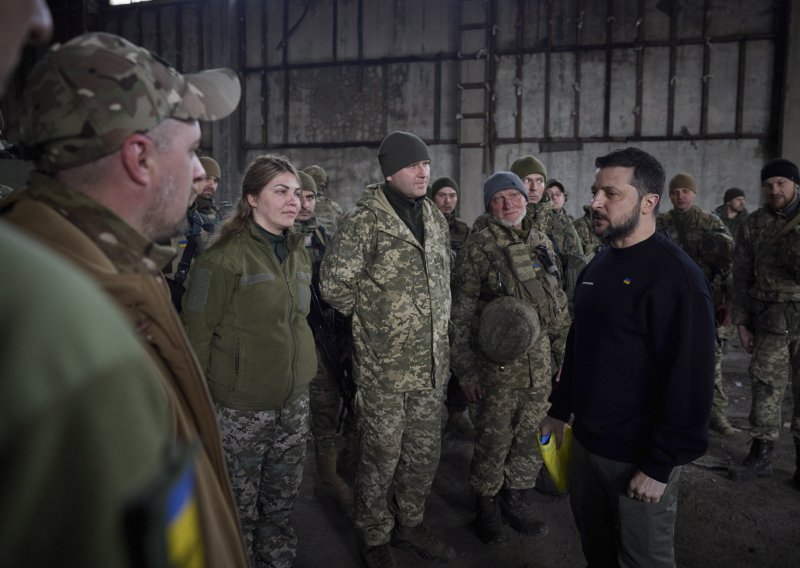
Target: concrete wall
(324,81)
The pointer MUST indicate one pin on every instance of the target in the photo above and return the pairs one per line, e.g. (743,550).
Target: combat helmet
(508,328)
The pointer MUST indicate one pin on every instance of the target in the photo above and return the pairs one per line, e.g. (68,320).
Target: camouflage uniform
(399,295)
(210,218)
(705,239)
(325,394)
(265,451)
(731,224)
(584,228)
(499,261)
(766,299)
(557,227)
(328,212)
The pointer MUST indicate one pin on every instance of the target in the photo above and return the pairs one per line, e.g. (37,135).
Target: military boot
(757,464)
(379,556)
(720,424)
(420,539)
(488,523)
(329,480)
(519,514)
(797,463)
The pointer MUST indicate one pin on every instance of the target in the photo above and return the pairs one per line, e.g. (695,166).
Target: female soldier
(245,313)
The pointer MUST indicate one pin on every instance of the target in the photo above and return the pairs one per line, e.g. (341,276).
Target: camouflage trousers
(326,401)
(776,360)
(400,436)
(720,398)
(265,450)
(507,421)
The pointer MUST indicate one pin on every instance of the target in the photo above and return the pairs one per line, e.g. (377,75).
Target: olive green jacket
(245,314)
(765,276)
(483,272)
(397,290)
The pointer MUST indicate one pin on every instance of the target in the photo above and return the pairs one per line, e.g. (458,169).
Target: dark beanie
(307,182)
(401,149)
(527,165)
(499,181)
(441,183)
(683,181)
(732,193)
(780,167)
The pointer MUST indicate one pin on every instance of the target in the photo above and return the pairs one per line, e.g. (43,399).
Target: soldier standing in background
(444,193)
(331,336)
(389,266)
(558,196)
(328,212)
(507,260)
(705,239)
(733,210)
(591,242)
(208,212)
(766,311)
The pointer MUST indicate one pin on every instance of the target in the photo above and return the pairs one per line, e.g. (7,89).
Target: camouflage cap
(319,175)
(85,97)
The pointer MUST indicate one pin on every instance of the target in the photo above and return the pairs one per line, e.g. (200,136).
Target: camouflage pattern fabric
(459,231)
(328,213)
(506,454)
(584,228)
(400,441)
(766,299)
(707,241)
(515,394)
(557,227)
(210,218)
(131,90)
(326,402)
(731,224)
(5,191)
(773,355)
(265,450)
(397,292)
(484,271)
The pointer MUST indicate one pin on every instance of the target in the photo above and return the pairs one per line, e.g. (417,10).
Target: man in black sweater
(638,372)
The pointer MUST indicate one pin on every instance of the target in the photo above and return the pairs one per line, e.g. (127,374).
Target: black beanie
(441,183)
(780,167)
(401,149)
(732,193)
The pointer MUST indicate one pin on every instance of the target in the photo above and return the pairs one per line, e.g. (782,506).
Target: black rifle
(176,289)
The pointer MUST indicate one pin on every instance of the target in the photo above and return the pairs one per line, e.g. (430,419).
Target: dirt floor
(720,523)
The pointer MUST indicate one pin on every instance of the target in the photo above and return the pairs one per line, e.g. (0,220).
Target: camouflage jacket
(765,274)
(557,227)
(208,215)
(328,213)
(706,240)
(732,224)
(584,228)
(127,267)
(397,291)
(484,272)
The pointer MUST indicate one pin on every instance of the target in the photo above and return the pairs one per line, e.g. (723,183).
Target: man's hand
(556,376)
(474,393)
(550,425)
(644,488)
(747,338)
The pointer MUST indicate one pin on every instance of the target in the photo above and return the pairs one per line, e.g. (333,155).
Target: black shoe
(488,523)
(519,514)
(422,541)
(758,463)
(379,556)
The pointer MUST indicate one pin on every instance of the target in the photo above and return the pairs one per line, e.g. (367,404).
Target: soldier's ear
(135,154)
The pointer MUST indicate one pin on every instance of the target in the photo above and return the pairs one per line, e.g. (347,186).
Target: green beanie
(441,183)
(527,165)
(307,182)
(319,175)
(211,167)
(401,149)
(683,180)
